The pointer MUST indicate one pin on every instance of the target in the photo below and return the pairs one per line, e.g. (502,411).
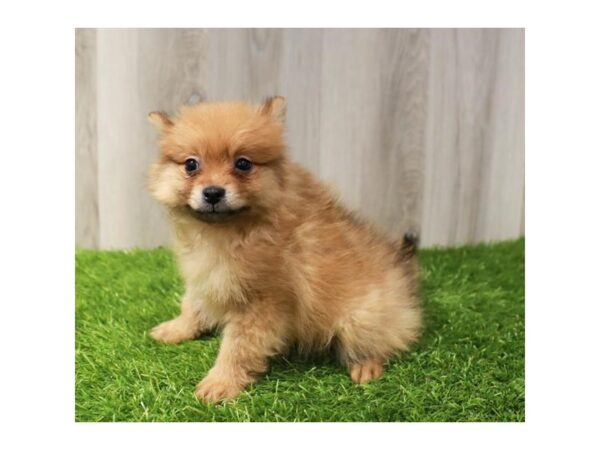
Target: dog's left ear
(160,120)
(275,107)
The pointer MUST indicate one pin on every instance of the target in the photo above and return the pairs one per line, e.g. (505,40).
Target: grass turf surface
(468,366)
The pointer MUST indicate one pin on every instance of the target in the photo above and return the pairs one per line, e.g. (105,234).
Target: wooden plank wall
(86,133)
(419,129)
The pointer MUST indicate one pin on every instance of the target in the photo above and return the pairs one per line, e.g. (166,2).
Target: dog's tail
(406,257)
(409,245)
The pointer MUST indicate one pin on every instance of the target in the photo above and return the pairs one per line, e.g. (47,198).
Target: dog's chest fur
(211,275)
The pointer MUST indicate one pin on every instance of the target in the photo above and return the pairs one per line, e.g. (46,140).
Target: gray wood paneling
(348,109)
(243,63)
(474,153)
(86,175)
(417,129)
(300,83)
(392,166)
(372,112)
(140,70)
(522,229)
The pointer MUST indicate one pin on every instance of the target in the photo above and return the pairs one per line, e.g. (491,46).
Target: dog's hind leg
(365,371)
(380,323)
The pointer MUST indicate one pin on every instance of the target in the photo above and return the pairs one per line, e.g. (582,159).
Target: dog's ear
(275,107)
(160,120)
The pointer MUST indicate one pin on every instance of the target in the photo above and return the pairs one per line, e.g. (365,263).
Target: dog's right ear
(160,120)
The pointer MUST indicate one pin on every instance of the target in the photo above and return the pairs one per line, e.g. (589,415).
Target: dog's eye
(243,164)
(191,166)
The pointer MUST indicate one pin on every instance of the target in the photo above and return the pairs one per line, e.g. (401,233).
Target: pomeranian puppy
(268,254)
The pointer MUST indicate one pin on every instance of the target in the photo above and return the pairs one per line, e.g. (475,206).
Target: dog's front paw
(173,332)
(214,389)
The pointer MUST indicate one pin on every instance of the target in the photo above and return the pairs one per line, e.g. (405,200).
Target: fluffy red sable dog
(268,254)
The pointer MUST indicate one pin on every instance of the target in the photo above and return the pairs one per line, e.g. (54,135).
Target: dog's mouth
(216,215)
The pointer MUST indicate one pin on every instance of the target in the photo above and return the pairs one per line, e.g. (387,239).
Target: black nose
(212,194)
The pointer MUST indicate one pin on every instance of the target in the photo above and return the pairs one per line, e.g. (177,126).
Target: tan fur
(294,268)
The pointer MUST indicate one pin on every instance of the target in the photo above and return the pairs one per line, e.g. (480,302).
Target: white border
(37,236)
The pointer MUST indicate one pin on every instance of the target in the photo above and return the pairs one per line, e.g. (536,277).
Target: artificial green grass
(468,366)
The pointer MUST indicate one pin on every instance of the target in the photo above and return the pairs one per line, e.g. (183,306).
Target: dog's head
(220,160)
